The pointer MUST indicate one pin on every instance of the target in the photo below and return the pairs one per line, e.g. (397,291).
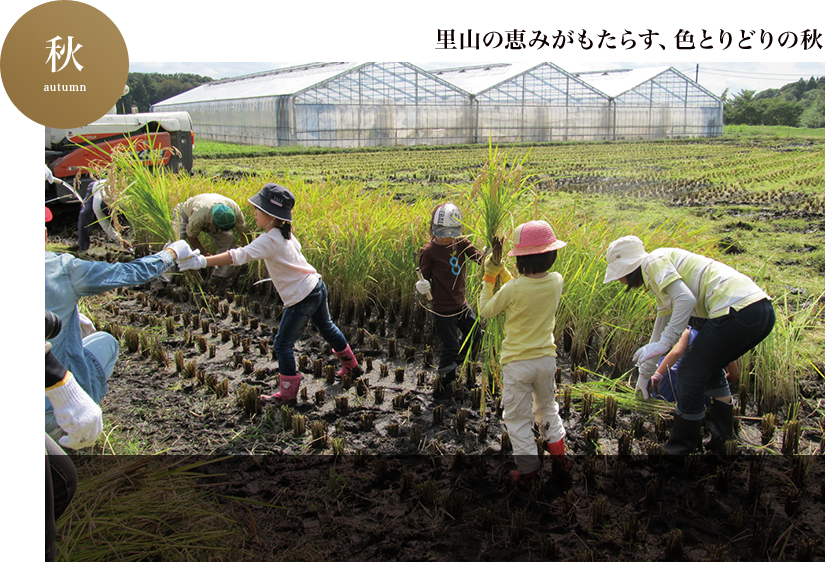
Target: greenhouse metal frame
(531,103)
(347,105)
(329,104)
(657,103)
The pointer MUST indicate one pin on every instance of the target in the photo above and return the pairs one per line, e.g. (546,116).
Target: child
(664,381)
(528,352)
(442,262)
(298,283)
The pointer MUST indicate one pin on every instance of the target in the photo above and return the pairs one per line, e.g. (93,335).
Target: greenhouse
(531,103)
(345,105)
(657,103)
(329,104)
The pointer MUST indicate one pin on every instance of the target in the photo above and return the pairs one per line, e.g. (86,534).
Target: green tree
(146,89)
(814,116)
(741,109)
(776,111)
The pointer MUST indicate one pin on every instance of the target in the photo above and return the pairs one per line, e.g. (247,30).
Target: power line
(775,78)
(723,71)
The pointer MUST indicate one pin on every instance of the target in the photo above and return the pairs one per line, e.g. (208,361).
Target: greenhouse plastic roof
(475,79)
(278,82)
(613,82)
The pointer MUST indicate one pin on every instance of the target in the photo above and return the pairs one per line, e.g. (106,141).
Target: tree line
(147,88)
(796,104)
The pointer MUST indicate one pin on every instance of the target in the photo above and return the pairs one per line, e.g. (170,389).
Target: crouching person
(92,359)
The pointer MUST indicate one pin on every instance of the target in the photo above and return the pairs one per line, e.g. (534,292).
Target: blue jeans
(719,341)
(101,350)
(313,307)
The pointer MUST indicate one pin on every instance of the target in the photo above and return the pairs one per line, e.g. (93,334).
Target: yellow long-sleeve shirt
(531,306)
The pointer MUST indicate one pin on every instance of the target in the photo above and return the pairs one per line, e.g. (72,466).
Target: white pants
(529,395)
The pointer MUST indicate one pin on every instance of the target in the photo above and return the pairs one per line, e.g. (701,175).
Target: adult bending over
(739,315)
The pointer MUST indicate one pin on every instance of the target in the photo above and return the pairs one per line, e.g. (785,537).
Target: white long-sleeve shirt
(98,198)
(294,278)
(686,284)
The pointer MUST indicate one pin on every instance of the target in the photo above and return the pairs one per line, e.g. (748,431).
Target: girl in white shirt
(299,285)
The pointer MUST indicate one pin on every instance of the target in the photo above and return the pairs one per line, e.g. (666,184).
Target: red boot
(560,462)
(349,364)
(288,390)
(524,481)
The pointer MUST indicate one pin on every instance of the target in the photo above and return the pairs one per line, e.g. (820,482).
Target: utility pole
(697,73)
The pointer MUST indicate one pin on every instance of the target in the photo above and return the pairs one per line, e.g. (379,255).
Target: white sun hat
(624,255)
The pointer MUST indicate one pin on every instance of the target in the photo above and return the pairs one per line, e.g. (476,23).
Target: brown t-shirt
(443,267)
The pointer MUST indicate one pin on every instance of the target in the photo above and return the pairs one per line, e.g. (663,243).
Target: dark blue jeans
(85,219)
(720,341)
(314,307)
(458,333)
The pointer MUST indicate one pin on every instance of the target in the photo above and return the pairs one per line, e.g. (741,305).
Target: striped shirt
(716,286)
(531,306)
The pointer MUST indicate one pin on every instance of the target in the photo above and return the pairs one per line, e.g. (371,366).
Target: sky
(254,31)
(715,76)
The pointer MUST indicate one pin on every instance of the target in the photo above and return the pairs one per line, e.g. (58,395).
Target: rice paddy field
(375,468)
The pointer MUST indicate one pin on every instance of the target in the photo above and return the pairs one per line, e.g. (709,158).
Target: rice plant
(774,363)
(139,189)
(121,511)
(617,391)
(495,195)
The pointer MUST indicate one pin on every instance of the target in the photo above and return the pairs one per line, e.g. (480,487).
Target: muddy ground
(410,477)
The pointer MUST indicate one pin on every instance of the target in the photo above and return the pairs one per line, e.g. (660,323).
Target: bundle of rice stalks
(620,392)
(496,193)
(139,189)
(143,508)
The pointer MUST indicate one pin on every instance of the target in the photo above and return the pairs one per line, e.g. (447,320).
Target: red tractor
(70,153)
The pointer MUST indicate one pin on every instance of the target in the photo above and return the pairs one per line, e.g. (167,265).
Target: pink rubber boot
(560,462)
(288,390)
(349,365)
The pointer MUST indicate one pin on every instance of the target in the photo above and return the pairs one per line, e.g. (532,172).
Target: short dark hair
(536,263)
(634,279)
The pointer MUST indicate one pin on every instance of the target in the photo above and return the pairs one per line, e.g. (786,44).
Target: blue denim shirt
(69,278)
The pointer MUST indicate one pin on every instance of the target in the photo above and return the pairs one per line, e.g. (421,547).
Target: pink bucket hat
(534,237)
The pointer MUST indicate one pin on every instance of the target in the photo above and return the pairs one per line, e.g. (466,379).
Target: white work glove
(50,177)
(194,261)
(181,248)
(87,328)
(649,351)
(643,385)
(76,413)
(646,371)
(423,287)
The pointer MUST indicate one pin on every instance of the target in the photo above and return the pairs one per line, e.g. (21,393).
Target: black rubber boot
(685,436)
(721,426)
